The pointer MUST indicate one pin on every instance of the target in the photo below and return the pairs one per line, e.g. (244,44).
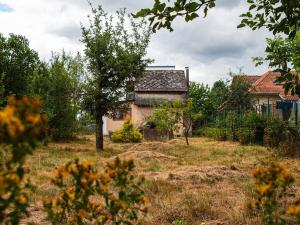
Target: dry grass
(207,181)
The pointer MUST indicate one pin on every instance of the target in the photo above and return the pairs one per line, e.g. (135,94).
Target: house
(270,97)
(156,86)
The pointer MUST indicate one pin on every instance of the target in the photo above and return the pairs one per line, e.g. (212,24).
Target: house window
(121,115)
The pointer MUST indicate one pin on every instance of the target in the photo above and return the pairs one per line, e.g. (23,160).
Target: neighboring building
(270,97)
(156,86)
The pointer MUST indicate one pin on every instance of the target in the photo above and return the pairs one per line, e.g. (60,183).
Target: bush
(89,197)
(252,130)
(21,128)
(282,137)
(246,136)
(271,187)
(127,134)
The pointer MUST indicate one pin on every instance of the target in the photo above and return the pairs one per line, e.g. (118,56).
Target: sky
(210,47)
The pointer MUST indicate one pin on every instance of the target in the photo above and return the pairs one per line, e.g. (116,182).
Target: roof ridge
(262,78)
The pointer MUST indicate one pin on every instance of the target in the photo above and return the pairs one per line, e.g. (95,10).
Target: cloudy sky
(211,47)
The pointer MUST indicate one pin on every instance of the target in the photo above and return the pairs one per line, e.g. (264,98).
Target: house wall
(138,114)
(264,99)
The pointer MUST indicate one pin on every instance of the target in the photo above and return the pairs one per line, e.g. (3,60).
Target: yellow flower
(70,192)
(264,189)
(22,199)
(82,214)
(87,164)
(34,119)
(294,210)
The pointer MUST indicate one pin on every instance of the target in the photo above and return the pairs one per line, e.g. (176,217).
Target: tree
(240,97)
(58,84)
(201,103)
(278,16)
(166,117)
(169,116)
(115,58)
(17,63)
(162,15)
(282,54)
(219,94)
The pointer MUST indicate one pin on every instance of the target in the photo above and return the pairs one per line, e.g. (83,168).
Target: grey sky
(210,46)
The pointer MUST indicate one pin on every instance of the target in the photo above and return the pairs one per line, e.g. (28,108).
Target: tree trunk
(186,135)
(99,132)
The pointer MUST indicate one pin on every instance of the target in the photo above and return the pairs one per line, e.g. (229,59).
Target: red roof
(252,78)
(265,84)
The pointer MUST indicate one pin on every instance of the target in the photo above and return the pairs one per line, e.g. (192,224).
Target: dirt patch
(145,155)
(196,174)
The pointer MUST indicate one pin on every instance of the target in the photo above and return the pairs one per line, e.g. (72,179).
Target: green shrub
(246,136)
(252,130)
(127,134)
(282,137)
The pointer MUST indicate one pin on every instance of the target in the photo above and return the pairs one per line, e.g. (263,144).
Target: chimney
(187,74)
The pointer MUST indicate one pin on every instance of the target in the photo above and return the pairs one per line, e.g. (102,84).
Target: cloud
(210,46)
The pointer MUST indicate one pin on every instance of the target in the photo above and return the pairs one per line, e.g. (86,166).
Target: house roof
(162,81)
(251,78)
(266,85)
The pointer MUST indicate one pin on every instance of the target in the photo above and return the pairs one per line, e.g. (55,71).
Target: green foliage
(219,93)
(166,117)
(282,137)
(128,133)
(17,63)
(162,15)
(254,125)
(116,57)
(113,196)
(178,222)
(21,128)
(271,187)
(239,96)
(59,86)
(278,16)
(278,53)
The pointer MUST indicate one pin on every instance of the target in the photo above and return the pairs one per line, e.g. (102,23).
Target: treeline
(58,82)
(223,95)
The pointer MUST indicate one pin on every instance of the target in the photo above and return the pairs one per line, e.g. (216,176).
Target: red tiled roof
(266,85)
(251,78)
(289,97)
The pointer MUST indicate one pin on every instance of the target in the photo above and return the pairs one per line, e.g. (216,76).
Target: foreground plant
(271,187)
(21,128)
(88,196)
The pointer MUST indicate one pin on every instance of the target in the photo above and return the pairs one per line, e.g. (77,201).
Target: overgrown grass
(208,181)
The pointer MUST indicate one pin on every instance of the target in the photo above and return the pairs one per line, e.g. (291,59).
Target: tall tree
(17,63)
(58,84)
(115,57)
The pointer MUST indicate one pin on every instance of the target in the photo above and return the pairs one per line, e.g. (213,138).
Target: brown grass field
(207,181)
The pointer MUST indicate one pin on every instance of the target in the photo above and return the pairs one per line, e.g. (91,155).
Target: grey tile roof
(162,81)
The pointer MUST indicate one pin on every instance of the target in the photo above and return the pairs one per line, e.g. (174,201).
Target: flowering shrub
(111,197)
(271,186)
(21,127)
(127,134)
(294,210)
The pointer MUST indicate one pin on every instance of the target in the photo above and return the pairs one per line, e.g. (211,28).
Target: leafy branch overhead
(278,16)
(163,14)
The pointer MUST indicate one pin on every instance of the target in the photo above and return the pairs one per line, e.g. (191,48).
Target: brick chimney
(187,74)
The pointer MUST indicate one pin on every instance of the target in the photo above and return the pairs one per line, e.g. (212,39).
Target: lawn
(207,181)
